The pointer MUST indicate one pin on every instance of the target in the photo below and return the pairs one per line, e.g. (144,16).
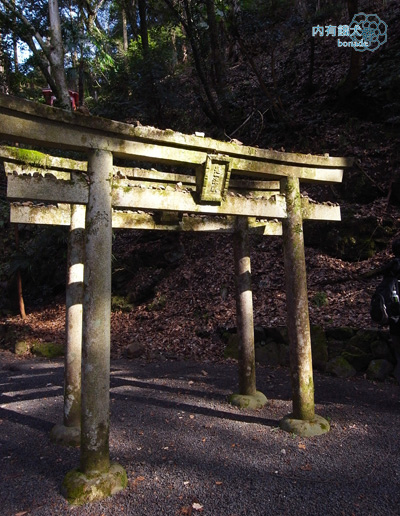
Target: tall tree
(3,82)
(124,30)
(49,55)
(144,35)
(354,70)
(186,17)
(56,56)
(218,63)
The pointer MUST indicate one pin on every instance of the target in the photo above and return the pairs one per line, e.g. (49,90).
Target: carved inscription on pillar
(213,180)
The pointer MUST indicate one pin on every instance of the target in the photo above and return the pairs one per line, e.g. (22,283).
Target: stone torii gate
(209,193)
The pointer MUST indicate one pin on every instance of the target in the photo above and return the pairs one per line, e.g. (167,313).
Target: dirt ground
(187,452)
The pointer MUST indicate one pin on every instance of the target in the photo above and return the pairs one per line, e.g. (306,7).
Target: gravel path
(187,452)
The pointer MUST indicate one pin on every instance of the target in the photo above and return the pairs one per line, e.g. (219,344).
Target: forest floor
(190,303)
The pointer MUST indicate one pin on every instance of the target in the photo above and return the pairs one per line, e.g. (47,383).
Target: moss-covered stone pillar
(96,478)
(248,396)
(303,421)
(69,433)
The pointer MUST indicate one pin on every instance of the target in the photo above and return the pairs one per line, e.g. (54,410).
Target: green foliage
(140,88)
(319,299)
(121,303)
(268,10)
(158,303)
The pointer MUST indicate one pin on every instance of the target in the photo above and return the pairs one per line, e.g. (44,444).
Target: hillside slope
(175,293)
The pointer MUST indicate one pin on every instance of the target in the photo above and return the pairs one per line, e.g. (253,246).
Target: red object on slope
(50,98)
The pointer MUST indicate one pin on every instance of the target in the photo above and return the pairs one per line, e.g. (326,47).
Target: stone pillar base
(249,401)
(303,427)
(79,488)
(66,435)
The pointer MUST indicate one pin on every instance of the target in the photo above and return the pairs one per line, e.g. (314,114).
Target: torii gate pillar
(69,433)
(303,420)
(96,477)
(248,396)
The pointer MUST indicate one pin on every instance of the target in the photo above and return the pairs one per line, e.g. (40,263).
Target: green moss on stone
(357,357)
(305,428)
(121,303)
(47,349)
(79,488)
(379,369)
(340,367)
(21,347)
(248,401)
(28,156)
(363,339)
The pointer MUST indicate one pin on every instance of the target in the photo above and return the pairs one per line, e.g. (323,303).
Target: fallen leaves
(187,510)
(135,482)
(193,315)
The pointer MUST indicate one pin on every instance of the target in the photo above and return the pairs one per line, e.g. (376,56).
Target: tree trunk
(131,14)
(209,106)
(42,63)
(124,31)
(143,27)
(21,303)
(312,62)
(353,73)
(3,83)
(211,109)
(301,6)
(81,81)
(56,56)
(218,64)
(234,14)
(15,51)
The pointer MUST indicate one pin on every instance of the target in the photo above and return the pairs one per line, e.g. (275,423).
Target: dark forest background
(242,70)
